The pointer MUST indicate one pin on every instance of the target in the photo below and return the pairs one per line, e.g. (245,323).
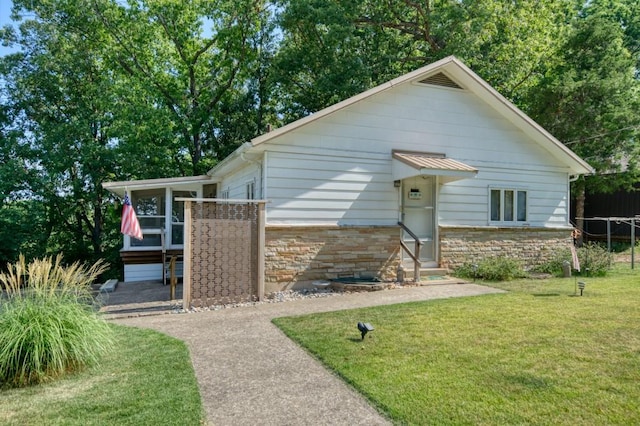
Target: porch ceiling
(409,164)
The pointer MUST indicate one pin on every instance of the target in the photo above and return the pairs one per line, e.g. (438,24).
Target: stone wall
(297,256)
(532,246)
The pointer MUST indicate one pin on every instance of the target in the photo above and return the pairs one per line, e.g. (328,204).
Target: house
(435,155)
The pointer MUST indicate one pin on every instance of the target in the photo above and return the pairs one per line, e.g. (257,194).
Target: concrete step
(425,272)
(433,276)
(109,286)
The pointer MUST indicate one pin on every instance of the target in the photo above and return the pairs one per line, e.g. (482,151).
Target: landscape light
(364,328)
(581,285)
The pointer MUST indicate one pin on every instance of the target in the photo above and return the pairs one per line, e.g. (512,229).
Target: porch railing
(415,255)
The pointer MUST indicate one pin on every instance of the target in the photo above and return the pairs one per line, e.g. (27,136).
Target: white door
(418,214)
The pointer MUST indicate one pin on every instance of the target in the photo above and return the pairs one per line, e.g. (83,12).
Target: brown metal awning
(408,164)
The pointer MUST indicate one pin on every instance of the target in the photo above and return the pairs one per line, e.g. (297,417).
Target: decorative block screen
(223,253)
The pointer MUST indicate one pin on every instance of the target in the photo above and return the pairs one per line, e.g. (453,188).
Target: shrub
(594,261)
(500,268)
(48,324)
(554,265)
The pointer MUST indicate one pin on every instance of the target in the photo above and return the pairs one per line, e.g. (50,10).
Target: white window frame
(514,211)
(167,226)
(171,219)
(129,243)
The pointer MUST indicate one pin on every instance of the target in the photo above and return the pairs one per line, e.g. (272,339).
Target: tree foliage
(104,90)
(590,100)
(336,48)
(194,58)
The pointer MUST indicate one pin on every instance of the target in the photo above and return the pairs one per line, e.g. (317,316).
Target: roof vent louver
(440,80)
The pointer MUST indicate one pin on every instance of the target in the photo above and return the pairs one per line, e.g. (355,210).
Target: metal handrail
(406,248)
(416,254)
(410,232)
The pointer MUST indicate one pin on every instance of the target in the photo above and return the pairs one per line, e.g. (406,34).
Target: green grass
(535,355)
(147,379)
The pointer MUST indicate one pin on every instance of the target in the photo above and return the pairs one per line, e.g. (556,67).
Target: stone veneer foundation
(295,256)
(532,246)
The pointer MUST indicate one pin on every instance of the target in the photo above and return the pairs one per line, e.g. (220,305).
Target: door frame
(404,187)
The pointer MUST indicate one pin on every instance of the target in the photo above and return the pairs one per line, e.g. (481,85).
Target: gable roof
(453,72)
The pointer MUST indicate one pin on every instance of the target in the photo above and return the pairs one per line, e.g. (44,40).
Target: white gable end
(335,167)
(337,170)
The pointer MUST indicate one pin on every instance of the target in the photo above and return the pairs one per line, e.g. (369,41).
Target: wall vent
(440,80)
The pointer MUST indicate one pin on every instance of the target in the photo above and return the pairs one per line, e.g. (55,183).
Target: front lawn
(146,380)
(536,355)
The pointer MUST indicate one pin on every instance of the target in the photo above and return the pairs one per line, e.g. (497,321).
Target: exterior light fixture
(364,328)
(581,285)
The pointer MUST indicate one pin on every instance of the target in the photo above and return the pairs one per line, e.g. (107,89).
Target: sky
(5,11)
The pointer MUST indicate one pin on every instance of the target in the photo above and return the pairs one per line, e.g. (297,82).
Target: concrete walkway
(250,373)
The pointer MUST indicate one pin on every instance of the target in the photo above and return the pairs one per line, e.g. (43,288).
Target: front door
(418,214)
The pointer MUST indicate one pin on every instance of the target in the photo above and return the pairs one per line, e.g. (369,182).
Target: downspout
(572,178)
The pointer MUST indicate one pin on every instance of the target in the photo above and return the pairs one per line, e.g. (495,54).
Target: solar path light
(364,328)
(581,285)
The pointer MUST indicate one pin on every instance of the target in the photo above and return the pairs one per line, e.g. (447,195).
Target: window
(251,190)
(177,217)
(159,216)
(508,205)
(150,209)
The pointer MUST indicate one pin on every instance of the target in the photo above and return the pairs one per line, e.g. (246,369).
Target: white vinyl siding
(325,189)
(146,272)
(236,183)
(337,170)
(251,191)
(466,202)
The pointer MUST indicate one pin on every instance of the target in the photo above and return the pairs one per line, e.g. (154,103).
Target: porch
(140,299)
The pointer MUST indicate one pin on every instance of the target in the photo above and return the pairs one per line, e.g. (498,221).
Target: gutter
(230,159)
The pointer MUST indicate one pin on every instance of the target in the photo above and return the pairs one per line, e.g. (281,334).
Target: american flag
(574,258)
(130,225)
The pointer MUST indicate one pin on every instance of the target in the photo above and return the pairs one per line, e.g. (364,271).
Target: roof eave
(352,100)
(532,129)
(230,162)
(119,188)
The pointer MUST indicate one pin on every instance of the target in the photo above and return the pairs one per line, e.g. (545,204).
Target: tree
(62,99)
(333,49)
(626,13)
(193,57)
(590,101)
(21,222)
(103,90)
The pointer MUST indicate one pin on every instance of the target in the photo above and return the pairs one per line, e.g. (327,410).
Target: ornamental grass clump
(48,322)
